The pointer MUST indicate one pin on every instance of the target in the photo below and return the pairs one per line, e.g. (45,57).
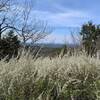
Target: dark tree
(90,34)
(9,45)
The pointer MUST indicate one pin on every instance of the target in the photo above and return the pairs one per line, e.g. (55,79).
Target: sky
(66,16)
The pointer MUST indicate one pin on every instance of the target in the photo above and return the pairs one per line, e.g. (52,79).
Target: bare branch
(4,5)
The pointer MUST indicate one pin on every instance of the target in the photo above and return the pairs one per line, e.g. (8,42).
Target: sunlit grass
(67,78)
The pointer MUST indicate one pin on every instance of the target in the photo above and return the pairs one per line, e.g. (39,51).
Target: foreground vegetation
(67,78)
(42,78)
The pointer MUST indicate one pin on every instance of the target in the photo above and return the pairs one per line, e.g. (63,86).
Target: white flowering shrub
(69,78)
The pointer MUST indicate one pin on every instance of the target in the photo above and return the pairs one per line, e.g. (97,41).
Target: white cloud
(68,18)
(58,38)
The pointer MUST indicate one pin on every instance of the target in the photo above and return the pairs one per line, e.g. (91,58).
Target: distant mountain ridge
(53,45)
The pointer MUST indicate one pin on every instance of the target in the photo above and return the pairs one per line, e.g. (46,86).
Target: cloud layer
(70,18)
(62,14)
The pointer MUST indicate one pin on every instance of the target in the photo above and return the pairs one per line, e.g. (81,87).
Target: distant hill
(49,45)
(49,49)
(53,45)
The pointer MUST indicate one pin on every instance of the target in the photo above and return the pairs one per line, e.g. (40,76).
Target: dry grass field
(67,78)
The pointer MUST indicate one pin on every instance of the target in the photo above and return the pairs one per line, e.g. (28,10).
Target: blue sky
(66,16)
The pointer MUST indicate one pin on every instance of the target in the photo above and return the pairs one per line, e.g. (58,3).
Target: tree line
(90,37)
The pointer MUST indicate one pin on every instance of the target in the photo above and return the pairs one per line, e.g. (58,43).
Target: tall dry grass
(67,78)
